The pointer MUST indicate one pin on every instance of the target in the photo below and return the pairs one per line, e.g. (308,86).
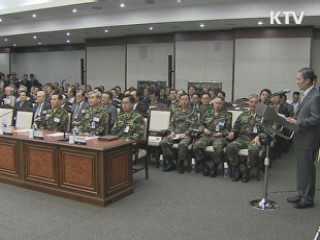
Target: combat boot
(236,174)
(246,174)
(214,170)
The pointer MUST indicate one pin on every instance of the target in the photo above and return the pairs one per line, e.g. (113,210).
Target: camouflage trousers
(169,152)
(234,147)
(200,145)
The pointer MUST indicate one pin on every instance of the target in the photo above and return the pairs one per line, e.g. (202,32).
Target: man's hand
(171,135)
(206,131)
(292,120)
(256,141)
(230,135)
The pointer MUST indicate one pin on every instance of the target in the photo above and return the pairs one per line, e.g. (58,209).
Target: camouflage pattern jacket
(129,127)
(54,121)
(95,123)
(215,124)
(183,122)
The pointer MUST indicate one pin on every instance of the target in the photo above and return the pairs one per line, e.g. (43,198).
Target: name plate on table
(79,140)
(37,134)
(7,131)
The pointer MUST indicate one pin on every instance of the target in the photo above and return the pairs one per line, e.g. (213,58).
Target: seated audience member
(49,90)
(183,120)
(212,94)
(227,105)
(41,107)
(34,82)
(139,105)
(191,90)
(295,101)
(79,108)
(107,105)
(95,120)
(129,124)
(171,100)
(33,93)
(162,95)
(71,95)
(118,95)
(9,98)
(246,133)
(23,104)
(265,98)
(154,101)
(65,105)
(195,101)
(26,82)
(215,126)
(56,118)
(205,104)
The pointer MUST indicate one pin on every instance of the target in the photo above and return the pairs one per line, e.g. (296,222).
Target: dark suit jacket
(286,109)
(26,106)
(46,106)
(308,119)
(78,116)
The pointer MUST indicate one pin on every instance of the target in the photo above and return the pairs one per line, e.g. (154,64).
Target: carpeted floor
(167,206)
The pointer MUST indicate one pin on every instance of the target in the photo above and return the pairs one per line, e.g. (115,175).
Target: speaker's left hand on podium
(292,120)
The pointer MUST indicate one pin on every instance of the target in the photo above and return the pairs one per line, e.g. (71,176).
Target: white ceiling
(166,16)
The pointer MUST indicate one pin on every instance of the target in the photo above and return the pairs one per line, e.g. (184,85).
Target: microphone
(284,91)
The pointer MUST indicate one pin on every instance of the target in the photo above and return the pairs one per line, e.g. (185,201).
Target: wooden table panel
(8,157)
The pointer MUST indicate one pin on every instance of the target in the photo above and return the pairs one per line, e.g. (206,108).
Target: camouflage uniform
(246,128)
(204,108)
(181,122)
(95,123)
(174,108)
(54,121)
(215,124)
(129,127)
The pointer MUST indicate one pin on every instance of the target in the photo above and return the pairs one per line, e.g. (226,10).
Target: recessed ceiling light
(34,15)
(202,25)
(106,30)
(122,5)
(40,43)
(68,41)
(74,10)
(0,19)
(179,1)
(34,37)
(260,23)
(6,39)
(14,45)
(68,34)
(151,28)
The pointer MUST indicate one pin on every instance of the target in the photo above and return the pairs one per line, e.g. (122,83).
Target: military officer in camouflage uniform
(205,106)
(56,118)
(248,133)
(183,120)
(215,126)
(129,124)
(94,120)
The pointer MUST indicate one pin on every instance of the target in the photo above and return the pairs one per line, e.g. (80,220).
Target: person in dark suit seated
(41,107)
(65,105)
(306,139)
(195,101)
(23,104)
(107,105)
(78,108)
(139,105)
(71,94)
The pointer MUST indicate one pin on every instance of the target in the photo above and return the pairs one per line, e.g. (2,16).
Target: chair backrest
(235,115)
(7,114)
(145,133)
(159,120)
(24,119)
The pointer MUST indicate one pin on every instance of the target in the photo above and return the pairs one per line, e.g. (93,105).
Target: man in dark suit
(23,104)
(306,139)
(78,108)
(140,106)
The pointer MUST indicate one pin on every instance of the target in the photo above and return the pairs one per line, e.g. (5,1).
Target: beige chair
(24,119)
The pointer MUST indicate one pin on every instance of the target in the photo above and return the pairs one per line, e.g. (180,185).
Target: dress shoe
(169,168)
(214,171)
(245,175)
(303,204)
(236,174)
(294,199)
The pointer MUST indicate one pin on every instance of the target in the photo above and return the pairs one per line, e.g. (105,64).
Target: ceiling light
(0,19)
(14,45)
(34,37)
(260,23)
(68,41)
(202,25)
(106,30)
(6,39)
(151,28)
(34,15)
(68,34)
(122,3)
(40,43)
(74,10)
(179,1)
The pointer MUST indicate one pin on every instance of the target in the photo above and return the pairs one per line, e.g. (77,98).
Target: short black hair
(130,97)
(296,93)
(265,90)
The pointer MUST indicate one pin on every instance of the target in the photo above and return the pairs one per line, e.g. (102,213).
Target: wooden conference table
(97,173)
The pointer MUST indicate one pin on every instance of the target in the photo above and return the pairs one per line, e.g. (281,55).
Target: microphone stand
(64,139)
(317,237)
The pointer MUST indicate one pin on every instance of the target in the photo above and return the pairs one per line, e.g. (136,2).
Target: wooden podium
(96,173)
